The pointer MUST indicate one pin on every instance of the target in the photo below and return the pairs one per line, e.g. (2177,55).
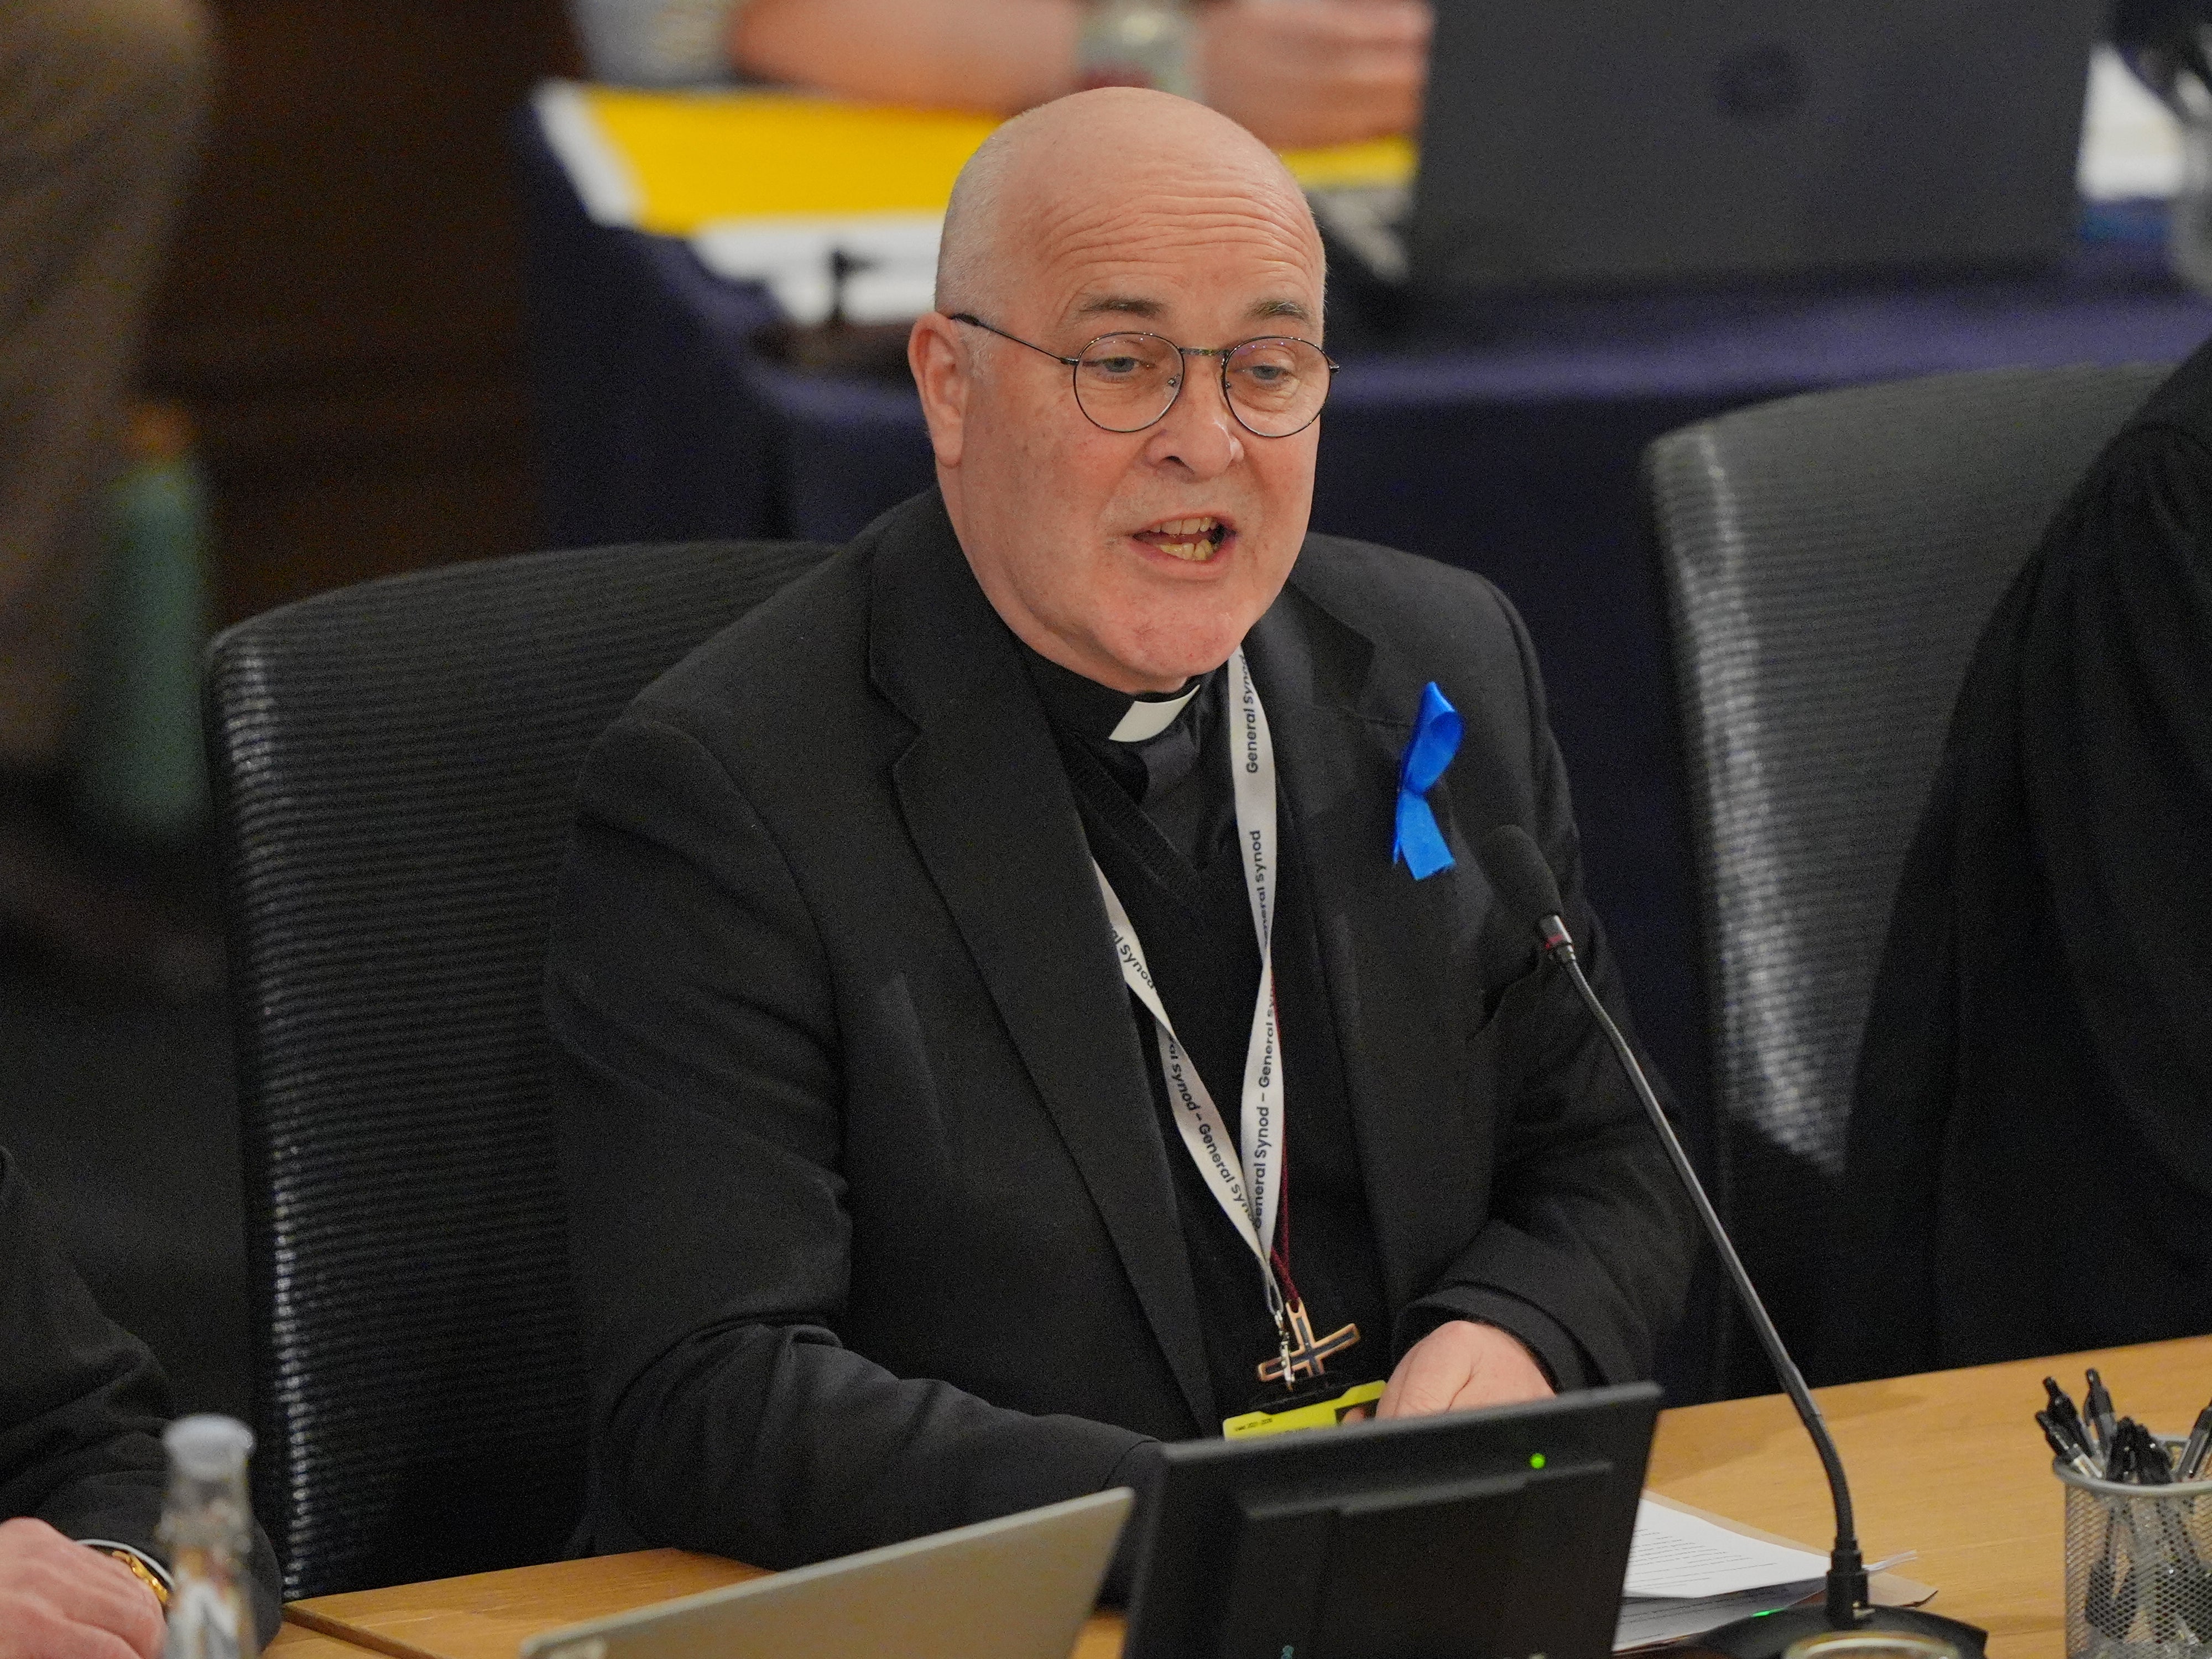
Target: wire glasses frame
(1275,385)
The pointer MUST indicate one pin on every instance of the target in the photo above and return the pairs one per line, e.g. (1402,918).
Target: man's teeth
(1188,538)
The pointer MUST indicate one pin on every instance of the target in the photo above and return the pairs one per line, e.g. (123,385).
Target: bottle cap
(207,1447)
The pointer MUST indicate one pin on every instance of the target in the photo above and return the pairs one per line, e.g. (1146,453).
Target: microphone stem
(1847,1579)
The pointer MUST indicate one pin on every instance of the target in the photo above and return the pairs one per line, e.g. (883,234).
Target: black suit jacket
(82,1404)
(873,1223)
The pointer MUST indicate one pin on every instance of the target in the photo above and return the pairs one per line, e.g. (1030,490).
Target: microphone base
(1766,1635)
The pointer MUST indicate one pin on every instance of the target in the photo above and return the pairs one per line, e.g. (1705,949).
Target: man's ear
(937,357)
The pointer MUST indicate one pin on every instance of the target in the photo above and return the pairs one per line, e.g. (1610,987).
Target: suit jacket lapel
(986,798)
(1341,707)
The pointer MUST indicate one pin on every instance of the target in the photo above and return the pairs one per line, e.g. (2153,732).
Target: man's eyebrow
(1127,305)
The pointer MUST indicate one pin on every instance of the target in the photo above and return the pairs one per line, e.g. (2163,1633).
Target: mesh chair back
(394,772)
(1828,563)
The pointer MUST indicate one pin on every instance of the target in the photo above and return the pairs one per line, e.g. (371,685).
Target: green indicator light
(1536,1460)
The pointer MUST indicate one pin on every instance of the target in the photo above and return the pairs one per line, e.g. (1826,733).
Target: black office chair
(393,767)
(1828,562)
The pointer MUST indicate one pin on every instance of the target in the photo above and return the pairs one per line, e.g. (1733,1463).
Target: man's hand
(61,1601)
(1459,1366)
(1300,72)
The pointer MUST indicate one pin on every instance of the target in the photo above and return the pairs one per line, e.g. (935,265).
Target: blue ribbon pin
(1419,843)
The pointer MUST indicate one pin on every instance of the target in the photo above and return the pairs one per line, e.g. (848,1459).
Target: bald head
(1050,183)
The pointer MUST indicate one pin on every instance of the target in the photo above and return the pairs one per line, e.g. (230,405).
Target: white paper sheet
(1686,1556)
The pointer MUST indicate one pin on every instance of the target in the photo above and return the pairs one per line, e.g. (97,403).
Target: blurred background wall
(343,317)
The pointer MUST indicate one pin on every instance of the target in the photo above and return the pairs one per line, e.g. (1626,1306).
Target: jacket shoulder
(1425,609)
(796,656)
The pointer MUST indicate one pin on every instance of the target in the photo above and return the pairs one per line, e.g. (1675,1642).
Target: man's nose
(1199,432)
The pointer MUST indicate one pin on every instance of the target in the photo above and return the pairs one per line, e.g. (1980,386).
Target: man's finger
(32,1628)
(83,1586)
(98,1590)
(1486,1388)
(137,1618)
(1424,1384)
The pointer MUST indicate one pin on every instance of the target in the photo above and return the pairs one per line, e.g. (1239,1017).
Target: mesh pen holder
(2138,1568)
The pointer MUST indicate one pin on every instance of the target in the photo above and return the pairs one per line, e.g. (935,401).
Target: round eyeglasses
(1274,385)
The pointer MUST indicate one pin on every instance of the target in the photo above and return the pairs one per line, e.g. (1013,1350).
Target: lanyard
(1249,1191)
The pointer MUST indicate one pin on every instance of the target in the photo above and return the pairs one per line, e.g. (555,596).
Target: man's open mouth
(1194,538)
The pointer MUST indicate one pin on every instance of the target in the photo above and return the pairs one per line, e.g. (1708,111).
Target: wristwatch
(144,1570)
(1137,43)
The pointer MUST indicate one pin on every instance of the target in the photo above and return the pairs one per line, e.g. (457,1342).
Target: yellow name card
(1321,1414)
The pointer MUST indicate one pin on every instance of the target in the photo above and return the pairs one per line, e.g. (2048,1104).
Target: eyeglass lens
(1125,382)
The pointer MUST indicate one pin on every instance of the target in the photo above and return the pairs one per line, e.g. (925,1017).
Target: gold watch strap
(144,1574)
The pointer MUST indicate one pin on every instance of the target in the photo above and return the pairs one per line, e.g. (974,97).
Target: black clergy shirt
(1160,817)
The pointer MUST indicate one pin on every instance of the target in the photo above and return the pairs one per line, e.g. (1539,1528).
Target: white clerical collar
(1148,718)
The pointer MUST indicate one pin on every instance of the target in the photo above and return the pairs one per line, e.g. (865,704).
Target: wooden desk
(1948,1464)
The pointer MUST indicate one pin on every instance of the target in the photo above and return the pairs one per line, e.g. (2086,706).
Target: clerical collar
(1083,706)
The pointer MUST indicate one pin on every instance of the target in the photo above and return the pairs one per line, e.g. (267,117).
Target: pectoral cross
(1303,1354)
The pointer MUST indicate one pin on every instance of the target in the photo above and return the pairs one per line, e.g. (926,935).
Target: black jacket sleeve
(82,1403)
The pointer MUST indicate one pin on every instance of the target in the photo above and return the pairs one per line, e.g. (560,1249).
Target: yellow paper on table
(772,187)
(675,163)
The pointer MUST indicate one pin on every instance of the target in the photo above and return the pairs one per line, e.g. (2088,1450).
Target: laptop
(1016,1587)
(1583,145)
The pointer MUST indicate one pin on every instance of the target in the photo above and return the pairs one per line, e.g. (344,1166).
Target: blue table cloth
(1507,442)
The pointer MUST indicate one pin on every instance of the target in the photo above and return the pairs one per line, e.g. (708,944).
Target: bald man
(963,958)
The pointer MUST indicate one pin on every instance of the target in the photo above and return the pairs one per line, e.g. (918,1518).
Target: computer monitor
(1603,143)
(1502,1534)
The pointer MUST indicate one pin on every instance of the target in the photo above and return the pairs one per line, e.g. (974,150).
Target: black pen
(2122,1456)
(2151,1459)
(2062,1413)
(2064,1447)
(2119,1459)
(2138,1452)
(2071,1434)
(2192,1463)
(2097,1408)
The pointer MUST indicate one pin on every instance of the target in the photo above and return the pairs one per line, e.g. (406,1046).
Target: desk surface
(1947,1464)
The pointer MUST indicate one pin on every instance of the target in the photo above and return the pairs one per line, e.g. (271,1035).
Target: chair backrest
(394,768)
(1828,562)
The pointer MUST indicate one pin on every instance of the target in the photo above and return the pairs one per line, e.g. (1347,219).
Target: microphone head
(1516,867)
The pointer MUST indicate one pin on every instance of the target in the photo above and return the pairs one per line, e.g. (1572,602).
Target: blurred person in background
(2030,1152)
(2030,1155)
(103,105)
(1293,72)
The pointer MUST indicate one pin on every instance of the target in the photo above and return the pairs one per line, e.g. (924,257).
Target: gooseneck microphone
(1526,888)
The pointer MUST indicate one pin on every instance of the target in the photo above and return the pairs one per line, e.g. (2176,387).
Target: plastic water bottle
(207,1528)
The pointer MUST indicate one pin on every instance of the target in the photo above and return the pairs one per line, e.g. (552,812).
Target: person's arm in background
(1294,71)
(82,1405)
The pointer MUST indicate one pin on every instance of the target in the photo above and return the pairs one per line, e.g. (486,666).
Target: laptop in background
(1580,145)
(1016,1588)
